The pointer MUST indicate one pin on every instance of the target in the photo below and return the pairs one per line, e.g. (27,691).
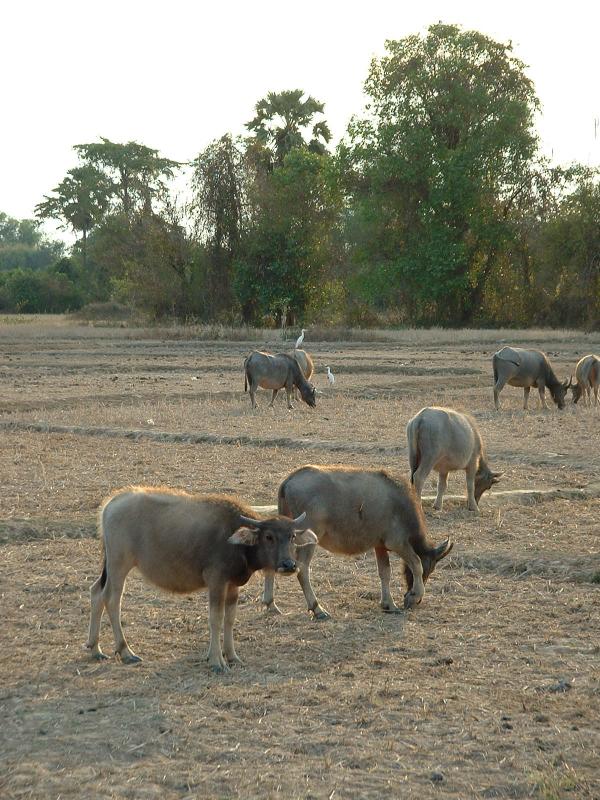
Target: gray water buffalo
(527,368)
(444,440)
(183,542)
(587,377)
(281,371)
(351,511)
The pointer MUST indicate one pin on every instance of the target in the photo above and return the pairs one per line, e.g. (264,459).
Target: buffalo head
(484,480)
(559,392)
(272,541)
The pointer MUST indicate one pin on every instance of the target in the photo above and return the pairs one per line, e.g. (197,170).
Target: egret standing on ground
(299,340)
(330,377)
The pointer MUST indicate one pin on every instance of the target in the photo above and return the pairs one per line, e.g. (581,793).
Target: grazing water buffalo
(276,372)
(354,510)
(183,542)
(587,376)
(306,365)
(445,440)
(527,368)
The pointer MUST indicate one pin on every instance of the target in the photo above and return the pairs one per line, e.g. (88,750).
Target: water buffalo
(353,510)
(445,440)
(527,368)
(306,365)
(587,377)
(183,542)
(276,372)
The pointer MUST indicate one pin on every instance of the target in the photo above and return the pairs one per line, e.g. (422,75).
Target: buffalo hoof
(219,669)
(130,658)
(320,615)
(99,656)
(272,608)
(411,600)
(236,661)
(391,608)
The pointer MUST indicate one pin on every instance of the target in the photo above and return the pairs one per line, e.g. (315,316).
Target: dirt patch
(488,689)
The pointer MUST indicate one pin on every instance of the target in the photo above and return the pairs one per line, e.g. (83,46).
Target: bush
(40,292)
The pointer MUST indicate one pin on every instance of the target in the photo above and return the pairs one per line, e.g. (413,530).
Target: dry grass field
(489,689)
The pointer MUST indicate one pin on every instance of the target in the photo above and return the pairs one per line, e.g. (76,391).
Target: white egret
(330,377)
(299,340)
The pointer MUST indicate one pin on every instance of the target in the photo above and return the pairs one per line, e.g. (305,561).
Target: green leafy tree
(435,167)
(284,121)
(149,261)
(137,173)
(219,185)
(287,248)
(23,245)
(568,252)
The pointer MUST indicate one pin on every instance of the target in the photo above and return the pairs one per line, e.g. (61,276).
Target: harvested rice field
(489,689)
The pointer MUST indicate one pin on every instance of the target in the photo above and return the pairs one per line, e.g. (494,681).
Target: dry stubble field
(489,689)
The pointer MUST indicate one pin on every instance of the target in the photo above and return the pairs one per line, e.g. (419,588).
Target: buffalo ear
(305,537)
(245,536)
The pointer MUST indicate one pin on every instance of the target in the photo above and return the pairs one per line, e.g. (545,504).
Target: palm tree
(282,119)
(79,201)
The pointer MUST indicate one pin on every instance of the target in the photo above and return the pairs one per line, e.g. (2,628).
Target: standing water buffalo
(353,510)
(183,542)
(445,440)
(527,368)
(276,372)
(587,376)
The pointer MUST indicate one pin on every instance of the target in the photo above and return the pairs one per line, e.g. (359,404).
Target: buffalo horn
(443,549)
(300,522)
(253,523)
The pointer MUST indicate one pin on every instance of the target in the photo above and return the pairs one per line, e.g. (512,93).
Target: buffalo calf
(183,542)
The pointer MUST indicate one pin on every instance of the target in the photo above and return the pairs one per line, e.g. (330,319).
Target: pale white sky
(175,75)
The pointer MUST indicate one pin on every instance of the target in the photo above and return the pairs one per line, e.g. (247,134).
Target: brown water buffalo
(527,368)
(444,440)
(351,511)
(281,371)
(183,542)
(587,377)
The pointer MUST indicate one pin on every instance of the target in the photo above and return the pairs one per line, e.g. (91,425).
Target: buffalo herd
(184,542)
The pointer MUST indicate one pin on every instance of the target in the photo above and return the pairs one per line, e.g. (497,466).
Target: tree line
(436,207)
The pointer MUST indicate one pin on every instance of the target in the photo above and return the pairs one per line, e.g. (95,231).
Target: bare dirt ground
(489,689)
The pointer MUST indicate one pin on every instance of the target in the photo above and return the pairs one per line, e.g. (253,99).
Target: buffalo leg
(441,488)
(303,558)
(471,502)
(275,391)
(252,390)
(526,390)
(385,573)
(288,391)
(113,592)
(414,596)
(542,393)
(216,610)
(498,386)
(97,603)
(268,597)
(420,476)
(231,600)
